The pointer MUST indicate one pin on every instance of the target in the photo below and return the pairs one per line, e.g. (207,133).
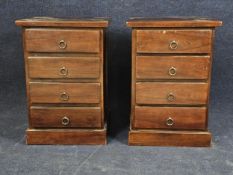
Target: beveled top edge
(63,22)
(173,21)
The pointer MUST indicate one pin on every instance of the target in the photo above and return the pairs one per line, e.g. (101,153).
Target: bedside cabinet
(171,74)
(65,80)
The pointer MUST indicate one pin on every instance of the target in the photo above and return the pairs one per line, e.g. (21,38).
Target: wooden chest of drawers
(64,63)
(171,73)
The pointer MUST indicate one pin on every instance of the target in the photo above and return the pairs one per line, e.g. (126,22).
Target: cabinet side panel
(102,59)
(210,75)
(133,82)
(26,54)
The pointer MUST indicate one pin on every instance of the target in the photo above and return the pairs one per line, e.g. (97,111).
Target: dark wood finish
(182,118)
(65,79)
(63,67)
(76,92)
(160,67)
(75,40)
(188,41)
(171,73)
(66,137)
(173,22)
(58,22)
(78,117)
(184,93)
(170,138)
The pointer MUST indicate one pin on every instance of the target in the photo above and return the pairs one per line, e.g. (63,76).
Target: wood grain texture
(45,92)
(59,22)
(186,67)
(210,73)
(169,138)
(79,117)
(171,72)
(184,93)
(73,67)
(173,22)
(48,40)
(64,65)
(183,118)
(102,79)
(188,41)
(66,137)
(133,75)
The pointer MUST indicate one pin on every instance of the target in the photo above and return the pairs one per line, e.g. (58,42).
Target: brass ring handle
(170,97)
(173,45)
(172,71)
(63,71)
(64,96)
(65,121)
(62,44)
(169,121)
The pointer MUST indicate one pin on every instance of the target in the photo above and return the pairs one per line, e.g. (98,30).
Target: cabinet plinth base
(66,136)
(169,138)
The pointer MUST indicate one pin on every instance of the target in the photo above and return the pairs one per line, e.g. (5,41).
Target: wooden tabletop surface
(63,22)
(173,22)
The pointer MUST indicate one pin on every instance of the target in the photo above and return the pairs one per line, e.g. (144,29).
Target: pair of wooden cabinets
(66,80)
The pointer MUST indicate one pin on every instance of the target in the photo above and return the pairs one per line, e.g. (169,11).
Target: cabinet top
(173,22)
(60,22)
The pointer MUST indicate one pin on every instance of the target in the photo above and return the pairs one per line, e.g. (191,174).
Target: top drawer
(62,40)
(173,41)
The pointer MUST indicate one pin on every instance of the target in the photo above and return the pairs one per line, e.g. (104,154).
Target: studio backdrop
(118,43)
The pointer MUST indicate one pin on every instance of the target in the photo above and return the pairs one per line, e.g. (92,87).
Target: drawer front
(173,41)
(65,117)
(171,93)
(61,40)
(65,93)
(170,118)
(172,67)
(64,67)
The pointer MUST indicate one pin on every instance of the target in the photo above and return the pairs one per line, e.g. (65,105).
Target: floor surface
(116,158)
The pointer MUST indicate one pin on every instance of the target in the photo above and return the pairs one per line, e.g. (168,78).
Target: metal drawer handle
(169,121)
(173,45)
(62,44)
(63,71)
(65,121)
(170,97)
(64,96)
(172,71)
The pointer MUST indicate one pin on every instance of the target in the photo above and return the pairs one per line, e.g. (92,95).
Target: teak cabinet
(171,74)
(65,76)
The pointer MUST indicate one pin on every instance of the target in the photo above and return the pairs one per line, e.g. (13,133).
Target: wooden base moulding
(66,137)
(170,138)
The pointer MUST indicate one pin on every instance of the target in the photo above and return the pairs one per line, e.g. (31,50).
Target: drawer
(172,67)
(70,117)
(173,41)
(171,93)
(64,67)
(62,40)
(170,118)
(64,92)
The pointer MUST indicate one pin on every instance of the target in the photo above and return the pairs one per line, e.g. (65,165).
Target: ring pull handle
(64,96)
(173,45)
(170,97)
(65,121)
(62,44)
(172,71)
(169,121)
(63,71)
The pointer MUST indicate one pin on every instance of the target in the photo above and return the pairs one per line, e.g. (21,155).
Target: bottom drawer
(170,118)
(70,117)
